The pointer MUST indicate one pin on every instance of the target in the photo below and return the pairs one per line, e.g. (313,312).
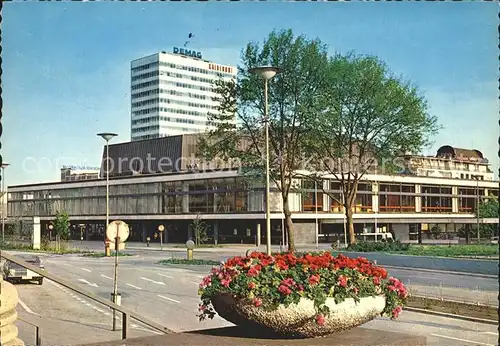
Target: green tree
(365,117)
(488,209)
(200,230)
(291,93)
(61,227)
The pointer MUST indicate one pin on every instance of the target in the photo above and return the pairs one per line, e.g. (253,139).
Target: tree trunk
(288,224)
(350,225)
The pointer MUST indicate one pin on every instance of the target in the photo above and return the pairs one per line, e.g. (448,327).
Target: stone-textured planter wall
(8,314)
(298,320)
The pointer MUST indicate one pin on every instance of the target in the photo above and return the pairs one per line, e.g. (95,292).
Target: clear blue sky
(66,65)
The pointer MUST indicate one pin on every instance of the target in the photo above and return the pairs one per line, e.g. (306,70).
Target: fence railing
(38,332)
(126,314)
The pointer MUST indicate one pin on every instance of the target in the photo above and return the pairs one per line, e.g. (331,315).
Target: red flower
(320,319)
(253,271)
(257,302)
(284,290)
(251,285)
(376,280)
(314,279)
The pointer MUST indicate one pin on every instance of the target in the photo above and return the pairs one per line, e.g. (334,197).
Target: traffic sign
(117,228)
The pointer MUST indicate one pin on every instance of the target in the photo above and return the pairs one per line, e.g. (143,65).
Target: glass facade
(235,195)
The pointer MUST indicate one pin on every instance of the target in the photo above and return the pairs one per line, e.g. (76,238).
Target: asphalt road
(480,266)
(168,295)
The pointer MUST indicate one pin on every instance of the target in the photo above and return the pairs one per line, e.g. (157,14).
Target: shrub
(268,281)
(364,246)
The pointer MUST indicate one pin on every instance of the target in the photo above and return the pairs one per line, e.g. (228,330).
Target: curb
(459,317)
(487,276)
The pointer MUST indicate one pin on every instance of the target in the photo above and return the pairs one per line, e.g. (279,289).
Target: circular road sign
(118,228)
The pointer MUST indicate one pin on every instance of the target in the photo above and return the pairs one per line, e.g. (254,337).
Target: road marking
(88,283)
(167,298)
(464,340)
(167,276)
(107,277)
(25,307)
(490,333)
(156,282)
(134,286)
(87,270)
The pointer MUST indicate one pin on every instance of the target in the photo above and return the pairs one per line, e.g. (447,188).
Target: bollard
(190,247)
(107,250)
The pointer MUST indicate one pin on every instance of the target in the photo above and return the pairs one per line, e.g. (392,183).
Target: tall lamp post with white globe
(107,136)
(4,205)
(266,73)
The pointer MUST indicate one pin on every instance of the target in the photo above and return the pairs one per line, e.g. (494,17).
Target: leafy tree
(291,93)
(488,209)
(61,227)
(365,116)
(200,230)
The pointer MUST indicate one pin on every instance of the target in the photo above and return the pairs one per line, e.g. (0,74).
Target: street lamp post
(107,136)
(161,228)
(4,165)
(316,213)
(477,210)
(266,73)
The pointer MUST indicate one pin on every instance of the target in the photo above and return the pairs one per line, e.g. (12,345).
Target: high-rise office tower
(171,93)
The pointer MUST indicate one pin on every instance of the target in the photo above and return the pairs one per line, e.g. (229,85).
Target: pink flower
(225,282)
(314,280)
(257,302)
(342,281)
(288,282)
(207,281)
(320,319)
(355,290)
(284,290)
(251,285)
(202,307)
(396,311)
(376,280)
(391,288)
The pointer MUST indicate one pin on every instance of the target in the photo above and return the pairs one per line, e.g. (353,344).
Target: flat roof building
(173,191)
(172,93)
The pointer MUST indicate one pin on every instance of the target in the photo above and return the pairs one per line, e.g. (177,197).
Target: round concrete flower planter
(298,320)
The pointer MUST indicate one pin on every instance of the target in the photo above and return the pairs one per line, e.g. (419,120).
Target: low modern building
(159,182)
(75,173)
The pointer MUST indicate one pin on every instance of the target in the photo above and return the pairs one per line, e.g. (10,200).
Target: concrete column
(216,233)
(375,199)
(35,236)
(454,200)
(418,199)
(185,198)
(258,234)
(8,314)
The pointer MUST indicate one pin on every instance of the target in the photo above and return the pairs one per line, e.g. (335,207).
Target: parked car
(13,272)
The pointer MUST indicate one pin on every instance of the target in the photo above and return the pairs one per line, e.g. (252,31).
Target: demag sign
(187,52)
